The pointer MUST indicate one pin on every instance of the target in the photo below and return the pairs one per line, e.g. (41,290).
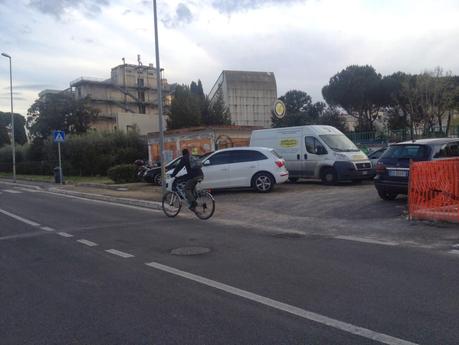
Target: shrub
(123,173)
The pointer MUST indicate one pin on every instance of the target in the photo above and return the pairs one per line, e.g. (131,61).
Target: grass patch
(67,179)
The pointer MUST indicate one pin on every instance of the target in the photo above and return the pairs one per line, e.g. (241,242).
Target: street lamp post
(13,143)
(160,104)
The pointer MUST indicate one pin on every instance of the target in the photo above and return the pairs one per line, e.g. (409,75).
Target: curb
(20,185)
(155,205)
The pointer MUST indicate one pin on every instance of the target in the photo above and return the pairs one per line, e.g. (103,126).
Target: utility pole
(160,104)
(13,141)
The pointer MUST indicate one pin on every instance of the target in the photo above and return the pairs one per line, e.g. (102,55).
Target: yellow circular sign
(279,109)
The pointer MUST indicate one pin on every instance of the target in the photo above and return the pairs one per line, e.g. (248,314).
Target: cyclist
(193,175)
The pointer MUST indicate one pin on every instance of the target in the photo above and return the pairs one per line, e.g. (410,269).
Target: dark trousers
(189,188)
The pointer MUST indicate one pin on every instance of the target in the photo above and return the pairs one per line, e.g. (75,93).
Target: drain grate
(190,251)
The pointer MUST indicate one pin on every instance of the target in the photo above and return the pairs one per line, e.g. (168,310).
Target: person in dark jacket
(193,176)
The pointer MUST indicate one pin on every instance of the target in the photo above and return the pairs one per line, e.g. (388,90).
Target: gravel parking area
(348,210)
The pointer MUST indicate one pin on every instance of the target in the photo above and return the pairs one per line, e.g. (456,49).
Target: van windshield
(339,143)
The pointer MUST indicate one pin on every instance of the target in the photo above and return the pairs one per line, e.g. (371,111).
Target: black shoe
(193,206)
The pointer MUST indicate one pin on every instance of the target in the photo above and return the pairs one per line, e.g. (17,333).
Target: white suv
(256,167)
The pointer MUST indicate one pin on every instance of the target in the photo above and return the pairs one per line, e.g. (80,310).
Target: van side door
(315,152)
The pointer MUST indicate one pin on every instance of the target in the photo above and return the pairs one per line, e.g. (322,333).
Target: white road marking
(117,252)
(46,228)
(88,243)
(113,203)
(23,220)
(366,240)
(64,234)
(454,251)
(308,315)
(12,191)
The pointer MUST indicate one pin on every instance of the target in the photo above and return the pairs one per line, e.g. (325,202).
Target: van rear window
(415,152)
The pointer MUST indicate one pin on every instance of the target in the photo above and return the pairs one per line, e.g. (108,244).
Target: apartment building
(127,101)
(249,96)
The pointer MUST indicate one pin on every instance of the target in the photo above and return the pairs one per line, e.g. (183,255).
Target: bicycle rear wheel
(171,204)
(205,205)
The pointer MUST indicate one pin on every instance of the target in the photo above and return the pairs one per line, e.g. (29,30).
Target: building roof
(249,76)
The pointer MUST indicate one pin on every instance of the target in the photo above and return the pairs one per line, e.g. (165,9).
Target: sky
(304,42)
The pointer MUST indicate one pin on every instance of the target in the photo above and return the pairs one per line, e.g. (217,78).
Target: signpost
(59,137)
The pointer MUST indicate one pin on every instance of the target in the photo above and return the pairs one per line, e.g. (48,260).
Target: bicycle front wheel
(171,204)
(205,207)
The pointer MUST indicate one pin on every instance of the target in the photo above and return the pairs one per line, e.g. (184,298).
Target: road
(75,271)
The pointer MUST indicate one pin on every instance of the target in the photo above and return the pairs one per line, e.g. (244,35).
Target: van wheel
(388,196)
(328,176)
(263,182)
(293,179)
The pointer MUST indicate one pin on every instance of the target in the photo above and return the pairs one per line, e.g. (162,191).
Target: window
(314,146)
(240,156)
(447,150)
(140,82)
(141,96)
(220,158)
(376,154)
(141,108)
(339,143)
(415,152)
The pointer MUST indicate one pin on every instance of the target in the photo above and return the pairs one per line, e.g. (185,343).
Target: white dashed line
(88,243)
(46,228)
(454,251)
(365,240)
(12,191)
(23,220)
(64,234)
(117,252)
(308,315)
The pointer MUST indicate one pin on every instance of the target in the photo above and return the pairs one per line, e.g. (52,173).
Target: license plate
(398,173)
(364,172)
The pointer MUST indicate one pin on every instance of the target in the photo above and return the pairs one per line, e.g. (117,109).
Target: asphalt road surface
(75,271)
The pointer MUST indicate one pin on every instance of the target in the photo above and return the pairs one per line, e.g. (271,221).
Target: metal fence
(389,136)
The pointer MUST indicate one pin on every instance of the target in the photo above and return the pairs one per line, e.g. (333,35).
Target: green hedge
(123,173)
(90,154)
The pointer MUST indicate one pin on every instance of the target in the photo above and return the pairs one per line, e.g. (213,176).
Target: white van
(317,152)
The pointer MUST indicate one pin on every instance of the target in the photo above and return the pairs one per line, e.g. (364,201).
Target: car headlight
(341,157)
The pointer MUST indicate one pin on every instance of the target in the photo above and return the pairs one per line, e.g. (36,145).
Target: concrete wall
(198,140)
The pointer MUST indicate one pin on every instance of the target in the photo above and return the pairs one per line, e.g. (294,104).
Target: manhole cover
(190,251)
(288,235)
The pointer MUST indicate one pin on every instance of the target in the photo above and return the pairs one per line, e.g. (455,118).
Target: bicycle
(172,200)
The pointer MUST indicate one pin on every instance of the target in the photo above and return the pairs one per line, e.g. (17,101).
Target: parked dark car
(153,175)
(375,155)
(393,168)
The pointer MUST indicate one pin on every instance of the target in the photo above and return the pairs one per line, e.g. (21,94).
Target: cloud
(34,87)
(58,8)
(230,6)
(182,15)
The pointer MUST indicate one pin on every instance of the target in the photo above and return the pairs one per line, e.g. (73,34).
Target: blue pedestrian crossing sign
(59,136)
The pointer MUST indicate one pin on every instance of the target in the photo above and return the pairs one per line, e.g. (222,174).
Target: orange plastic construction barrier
(434,190)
